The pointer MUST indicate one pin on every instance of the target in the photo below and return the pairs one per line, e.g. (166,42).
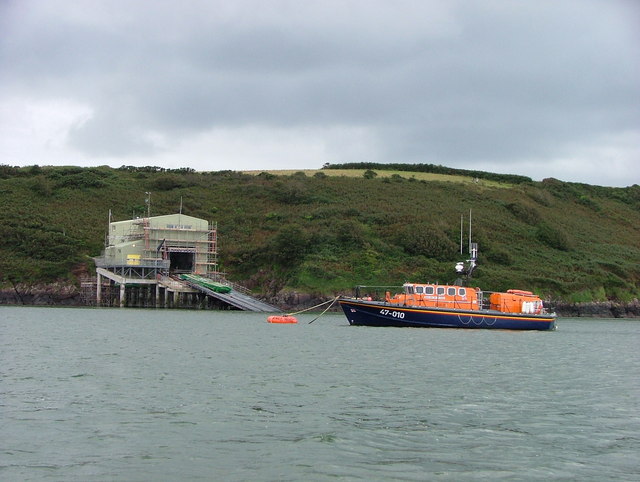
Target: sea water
(139,395)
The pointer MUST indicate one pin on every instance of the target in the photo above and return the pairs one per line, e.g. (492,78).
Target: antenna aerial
(469,231)
(461,221)
(461,267)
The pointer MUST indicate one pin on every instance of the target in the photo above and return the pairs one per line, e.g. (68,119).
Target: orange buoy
(282,319)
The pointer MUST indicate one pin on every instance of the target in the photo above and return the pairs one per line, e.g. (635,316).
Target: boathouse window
(451,291)
(419,290)
(428,290)
(440,290)
(462,291)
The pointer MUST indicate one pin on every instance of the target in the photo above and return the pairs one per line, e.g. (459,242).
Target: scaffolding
(160,242)
(176,243)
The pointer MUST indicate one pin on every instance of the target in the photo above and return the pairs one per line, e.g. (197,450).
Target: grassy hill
(326,230)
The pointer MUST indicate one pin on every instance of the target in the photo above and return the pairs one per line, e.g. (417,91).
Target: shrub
(292,193)
(500,257)
(289,246)
(426,241)
(168,182)
(42,186)
(349,234)
(524,213)
(553,237)
(8,171)
(267,176)
(79,179)
(589,203)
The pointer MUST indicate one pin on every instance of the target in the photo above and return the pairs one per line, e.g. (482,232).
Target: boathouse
(145,261)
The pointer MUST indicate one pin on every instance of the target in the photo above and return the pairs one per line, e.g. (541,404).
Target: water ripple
(143,394)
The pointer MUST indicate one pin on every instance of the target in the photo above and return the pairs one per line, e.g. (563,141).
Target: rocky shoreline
(56,294)
(599,309)
(60,294)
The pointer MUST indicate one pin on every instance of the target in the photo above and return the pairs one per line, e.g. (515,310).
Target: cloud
(42,124)
(492,83)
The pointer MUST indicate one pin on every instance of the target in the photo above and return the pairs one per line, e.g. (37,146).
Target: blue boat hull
(378,313)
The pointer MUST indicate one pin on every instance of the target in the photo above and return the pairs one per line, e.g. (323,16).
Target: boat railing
(375,293)
(483,299)
(455,302)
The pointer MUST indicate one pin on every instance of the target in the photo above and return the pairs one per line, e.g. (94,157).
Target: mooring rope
(316,306)
(326,309)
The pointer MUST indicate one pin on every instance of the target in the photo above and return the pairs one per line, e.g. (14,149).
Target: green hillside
(324,231)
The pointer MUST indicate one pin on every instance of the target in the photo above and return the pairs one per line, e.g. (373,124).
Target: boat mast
(469,231)
(461,221)
(467,269)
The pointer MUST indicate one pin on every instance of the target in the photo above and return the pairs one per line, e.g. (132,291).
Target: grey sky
(538,88)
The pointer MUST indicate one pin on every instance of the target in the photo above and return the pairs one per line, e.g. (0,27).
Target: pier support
(98,289)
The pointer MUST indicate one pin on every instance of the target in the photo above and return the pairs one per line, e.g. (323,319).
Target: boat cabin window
(440,290)
(462,291)
(428,290)
(409,289)
(419,289)
(451,291)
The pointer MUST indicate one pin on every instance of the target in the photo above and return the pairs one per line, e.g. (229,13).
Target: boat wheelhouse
(436,295)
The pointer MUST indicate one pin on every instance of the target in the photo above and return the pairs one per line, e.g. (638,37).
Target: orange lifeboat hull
(282,319)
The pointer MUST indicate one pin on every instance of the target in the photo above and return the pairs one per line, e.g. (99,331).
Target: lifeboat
(282,319)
